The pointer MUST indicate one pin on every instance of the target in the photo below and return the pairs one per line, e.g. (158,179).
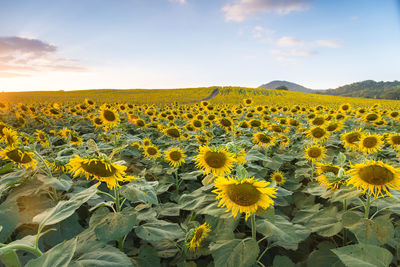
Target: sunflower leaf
(236,252)
(363,255)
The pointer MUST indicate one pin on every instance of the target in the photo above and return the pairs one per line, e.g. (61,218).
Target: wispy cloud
(289,41)
(329,43)
(240,10)
(290,55)
(178,1)
(263,34)
(21,56)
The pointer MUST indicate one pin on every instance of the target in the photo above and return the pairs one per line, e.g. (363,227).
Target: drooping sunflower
(151,152)
(314,153)
(278,177)
(393,140)
(98,168)
(225,123)
(175,156)
(374,176)
(109,116)
(20,157)
(10,137)
(263,139)
(199,234)
(216,160)
(370,143)
(351,139)
(42,138)
(284,141)
(244,196)
(322,169)
(318,134)
(56,165)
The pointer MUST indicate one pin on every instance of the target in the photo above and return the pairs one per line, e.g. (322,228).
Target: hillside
(367,89)
(289,85)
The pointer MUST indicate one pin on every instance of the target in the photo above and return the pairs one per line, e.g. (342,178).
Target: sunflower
(173,132)
(317,121)
(243,125)
(225,123)
(374,176)
(284,141)
(322,169)
(240,157)
(89,102)
(393,140)
(199,234)
(203,140)
(318,133)
(278,177)
(98,168)
(371,117)
(352,138)
(24,159)
(136,144)
(334,126)
(244,196)
(370,143)
(314,153)
(254,123)
(197,124)
(42,138)
(146,142)
(262,139)
(109,116)
(151,152)
(248,101)
(57,166)
(10,137)
(216,160)
(174,156)
(97,122)
(345,107)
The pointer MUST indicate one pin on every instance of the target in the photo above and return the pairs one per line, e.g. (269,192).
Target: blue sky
(84,44)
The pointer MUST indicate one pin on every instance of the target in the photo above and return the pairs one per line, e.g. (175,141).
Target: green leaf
(110,226)
(282,261)
(376,232)
(9,220)
(159,230)
(147,257)
(64,209)
(63,183)
(6,168)
(351,218)
(255,155)
(236,252)
(139,190)
(363,255)
(59,256)
(342,194)
(326,223)
(10,259)
(323,256)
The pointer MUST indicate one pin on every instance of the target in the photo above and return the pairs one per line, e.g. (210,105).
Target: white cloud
(329,43)
(178,1)
(263,34)
(240,10)
(289,41)
(290,55)
(21,56)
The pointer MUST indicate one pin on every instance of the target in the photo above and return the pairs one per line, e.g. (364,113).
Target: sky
(89,44)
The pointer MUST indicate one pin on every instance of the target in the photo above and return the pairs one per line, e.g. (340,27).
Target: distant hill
(367,89)
(289,85)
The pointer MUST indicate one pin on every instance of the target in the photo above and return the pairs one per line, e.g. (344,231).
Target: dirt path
(213,94)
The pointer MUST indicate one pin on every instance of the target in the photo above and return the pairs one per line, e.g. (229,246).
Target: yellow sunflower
(322,169)
(225,123)
(370,143)
(334,126)
(393,140)
(100,169)
(151,152)
(10,137)
(375,176)
(318,133)
(199,234)
(371,117)
(278,177)
(146,142)
(24,159)
(42,138)
(240,157)
(244,196)
(248,101)
(109,116)
(175,156)
(315,153)
(351,139)
(136,144)
(263,139)
(173,132)
(216,160)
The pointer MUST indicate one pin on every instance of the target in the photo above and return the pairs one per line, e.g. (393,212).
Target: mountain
(289,85)
(367,89)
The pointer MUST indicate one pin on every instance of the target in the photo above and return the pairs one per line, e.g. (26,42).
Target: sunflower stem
(312,170)
(44,163)
(253,226)
(344,229)
(34,251)
(107,194)
(367,206)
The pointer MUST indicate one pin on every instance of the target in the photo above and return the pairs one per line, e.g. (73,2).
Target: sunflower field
(217,176)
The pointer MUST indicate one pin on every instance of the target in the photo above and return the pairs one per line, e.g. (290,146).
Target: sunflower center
(99,168)
(396,139)
(109,115)
(255,123)
(18,156)
(262,138)
(277,129)
(215,159)
(243,194)
(371,117)
(226,123)
(151,151)
(353,137)
(277,178)
(327,169)
(197,123)
(175,155)
(318,132)
(370,142)
(173,133)
(376,175)
(98,121)
(318,121)
(332,127)
(198,234)
(314,152)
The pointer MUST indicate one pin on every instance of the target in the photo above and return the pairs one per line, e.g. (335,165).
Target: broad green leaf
(351,218)
(375,232)
(139,190)
(10,259)
(325,222)
(282,261)
(159,230)
(64,209)
(323,256)
(236,252)
(255,155)
(59,256)
(6,168)
(147,257)
(363,255)
(9,219)
(62,183)
(110,226)
(342,194)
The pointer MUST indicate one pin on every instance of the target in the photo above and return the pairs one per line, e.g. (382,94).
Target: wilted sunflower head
(20,157)
(375,176)
(175,157)
(263,139)
(216,160)
(244,196)
(199,234)
(315,153)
